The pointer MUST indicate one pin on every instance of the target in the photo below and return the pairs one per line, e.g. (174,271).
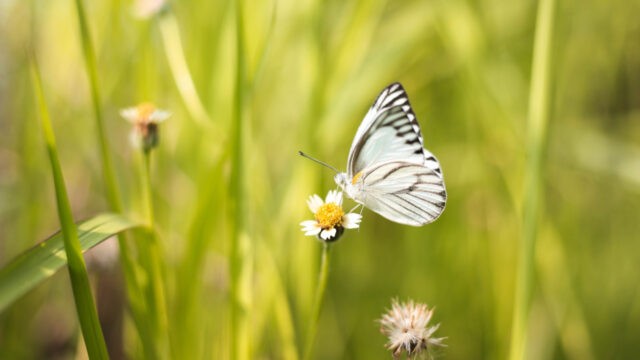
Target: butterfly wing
(389,132)
(404,192)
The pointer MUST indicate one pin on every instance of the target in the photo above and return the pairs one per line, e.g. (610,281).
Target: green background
(312,69)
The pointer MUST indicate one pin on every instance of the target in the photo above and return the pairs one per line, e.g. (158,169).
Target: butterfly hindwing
(404,192)
(389,132)
(388,169)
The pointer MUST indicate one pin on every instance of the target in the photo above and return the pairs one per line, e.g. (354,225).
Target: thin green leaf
(83,298)
(37,264)
(240,248)
(108,173)
(539,98)
(180,70)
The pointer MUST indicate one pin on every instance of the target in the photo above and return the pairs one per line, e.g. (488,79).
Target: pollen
(329,215)
(356,177)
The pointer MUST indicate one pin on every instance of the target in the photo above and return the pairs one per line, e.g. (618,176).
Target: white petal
(130,114)
(327,234)
(309,224)
(310,227)
(313,232)
(334,196)
(351,221)
(314,203)
(159,116)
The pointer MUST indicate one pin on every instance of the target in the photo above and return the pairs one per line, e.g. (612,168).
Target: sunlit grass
(82,293)
(251,83)
(537,124)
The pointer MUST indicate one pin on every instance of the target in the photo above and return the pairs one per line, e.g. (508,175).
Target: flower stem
(152,255)
(317,303)
(536,131)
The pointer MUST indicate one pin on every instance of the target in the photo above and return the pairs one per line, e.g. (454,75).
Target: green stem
(317,303)
(153,261)
(85,305)
(108,173)
(240,246)
(113,196)
(147,197)
(537,133)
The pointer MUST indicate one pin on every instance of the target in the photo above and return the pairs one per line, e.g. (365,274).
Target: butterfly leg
(355,207)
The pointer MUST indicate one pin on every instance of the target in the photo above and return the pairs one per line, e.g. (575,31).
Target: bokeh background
(312,69)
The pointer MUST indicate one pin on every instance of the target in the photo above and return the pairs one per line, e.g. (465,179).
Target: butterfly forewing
(388,169)
(404,192)
(389,132)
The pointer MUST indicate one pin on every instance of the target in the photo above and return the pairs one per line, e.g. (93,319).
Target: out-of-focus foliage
(312,70)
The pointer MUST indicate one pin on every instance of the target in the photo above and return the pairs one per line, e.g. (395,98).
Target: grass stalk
(85,305)
(179,68)
(108,173)
(317,303)
(111,189)
(188,298)
(240,251)
(537,133)
(152,259)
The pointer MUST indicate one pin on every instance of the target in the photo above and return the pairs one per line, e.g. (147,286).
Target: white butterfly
(388,169)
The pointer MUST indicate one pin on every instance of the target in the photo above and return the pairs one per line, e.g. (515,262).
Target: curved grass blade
(37,264)
(85,305)
(180,70)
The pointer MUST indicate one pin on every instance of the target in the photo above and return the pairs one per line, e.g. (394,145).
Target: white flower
(145,119)
(145,9)
(330,220)
(406,326)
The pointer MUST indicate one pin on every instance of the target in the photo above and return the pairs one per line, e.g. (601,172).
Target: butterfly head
(350,186)
(342,180)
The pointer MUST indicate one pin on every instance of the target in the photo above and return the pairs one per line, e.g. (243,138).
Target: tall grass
(250,84)
(538,118)
(83,298)
(240,253)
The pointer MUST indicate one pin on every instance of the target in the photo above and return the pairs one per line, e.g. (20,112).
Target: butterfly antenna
(318,161)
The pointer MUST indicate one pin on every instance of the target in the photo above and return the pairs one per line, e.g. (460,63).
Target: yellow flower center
(329,215)
(145,110)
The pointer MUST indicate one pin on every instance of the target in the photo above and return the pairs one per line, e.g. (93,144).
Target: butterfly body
(388,169)
(352,186)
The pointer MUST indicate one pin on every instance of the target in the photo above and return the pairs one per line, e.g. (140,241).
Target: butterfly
(388,169)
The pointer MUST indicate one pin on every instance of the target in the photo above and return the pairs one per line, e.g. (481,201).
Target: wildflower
(330,220)
(146,9)
(406,326)
(145,119)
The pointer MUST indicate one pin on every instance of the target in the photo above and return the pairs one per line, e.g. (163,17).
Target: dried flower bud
(145,119)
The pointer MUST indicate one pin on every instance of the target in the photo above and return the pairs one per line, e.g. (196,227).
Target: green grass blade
(537,133)
(37,264)
(85,305)
(179,68)
(108,173)
(240,247)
